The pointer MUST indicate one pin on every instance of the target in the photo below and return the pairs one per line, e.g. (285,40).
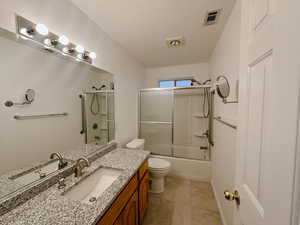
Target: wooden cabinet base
(143,196)
(130,206)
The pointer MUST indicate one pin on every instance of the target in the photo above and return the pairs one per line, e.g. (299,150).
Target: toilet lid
(135,144)
(156,163)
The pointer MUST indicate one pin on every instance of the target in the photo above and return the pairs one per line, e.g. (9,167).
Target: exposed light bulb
(79,49)
(92,55)
(63,40)
(41,29)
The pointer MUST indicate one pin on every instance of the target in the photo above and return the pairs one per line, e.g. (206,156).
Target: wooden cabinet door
(119,220)
(143,196)
(130,214)
(114,213)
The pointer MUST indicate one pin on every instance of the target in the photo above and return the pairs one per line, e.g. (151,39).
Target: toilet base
(157,185)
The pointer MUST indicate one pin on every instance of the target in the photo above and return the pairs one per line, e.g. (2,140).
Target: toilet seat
(156,164)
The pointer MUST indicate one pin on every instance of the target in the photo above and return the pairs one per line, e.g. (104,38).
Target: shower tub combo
(175,124)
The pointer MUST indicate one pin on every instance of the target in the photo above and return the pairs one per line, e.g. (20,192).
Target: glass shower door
(156,112)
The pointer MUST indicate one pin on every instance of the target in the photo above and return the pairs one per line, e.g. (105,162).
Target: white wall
(153,75)
(57,76)
(225,61)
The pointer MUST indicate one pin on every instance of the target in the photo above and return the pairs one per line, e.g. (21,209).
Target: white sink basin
(91,187)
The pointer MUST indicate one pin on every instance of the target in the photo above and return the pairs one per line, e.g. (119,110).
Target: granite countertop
(51,207)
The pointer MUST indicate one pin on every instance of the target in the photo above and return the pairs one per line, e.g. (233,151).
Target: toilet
(158,168)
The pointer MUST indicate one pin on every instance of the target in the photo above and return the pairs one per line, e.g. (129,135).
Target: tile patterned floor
(184,202)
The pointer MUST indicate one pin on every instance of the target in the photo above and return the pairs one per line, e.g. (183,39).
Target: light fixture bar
(40,35)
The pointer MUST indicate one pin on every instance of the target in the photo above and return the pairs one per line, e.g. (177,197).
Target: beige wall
(153,75)
(65,80)
(225,61)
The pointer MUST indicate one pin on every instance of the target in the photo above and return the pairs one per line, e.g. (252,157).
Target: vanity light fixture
(80,56)
(79,49)
(26,32)
(39,36)
(63,40)
(42,29)
(66,50)
(87,55)
(50,43)
(92,55)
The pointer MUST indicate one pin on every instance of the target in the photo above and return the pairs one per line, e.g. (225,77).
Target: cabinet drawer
(114,211)
(143,169)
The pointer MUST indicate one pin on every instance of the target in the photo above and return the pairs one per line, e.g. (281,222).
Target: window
(175,83)
(183,83)
(166,83)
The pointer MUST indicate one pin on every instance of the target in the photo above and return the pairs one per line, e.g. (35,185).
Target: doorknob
(235,196)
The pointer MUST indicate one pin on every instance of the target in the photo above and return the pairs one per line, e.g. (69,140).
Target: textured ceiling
(141,27)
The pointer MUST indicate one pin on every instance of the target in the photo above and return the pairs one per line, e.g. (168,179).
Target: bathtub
(188,168)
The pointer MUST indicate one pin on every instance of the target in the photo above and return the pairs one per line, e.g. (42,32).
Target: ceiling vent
(212,17)
(175,42)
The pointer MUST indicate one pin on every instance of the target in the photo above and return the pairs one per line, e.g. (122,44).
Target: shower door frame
(172,90)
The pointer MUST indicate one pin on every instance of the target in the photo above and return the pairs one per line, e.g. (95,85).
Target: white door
(268,110)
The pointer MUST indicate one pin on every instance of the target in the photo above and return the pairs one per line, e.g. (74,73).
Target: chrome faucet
(79,166)
(61,162)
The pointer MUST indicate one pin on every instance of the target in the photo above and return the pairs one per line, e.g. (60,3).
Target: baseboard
(218,203)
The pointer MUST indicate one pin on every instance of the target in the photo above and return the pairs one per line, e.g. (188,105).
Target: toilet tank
(136,144)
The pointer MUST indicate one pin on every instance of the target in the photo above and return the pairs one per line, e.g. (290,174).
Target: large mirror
(41,129)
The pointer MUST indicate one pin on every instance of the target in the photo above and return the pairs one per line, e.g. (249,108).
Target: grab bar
(219,118)
(82,98)
(24,117)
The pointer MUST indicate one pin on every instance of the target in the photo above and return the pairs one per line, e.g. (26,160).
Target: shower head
(207,81)
(103,86)
(195,81)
